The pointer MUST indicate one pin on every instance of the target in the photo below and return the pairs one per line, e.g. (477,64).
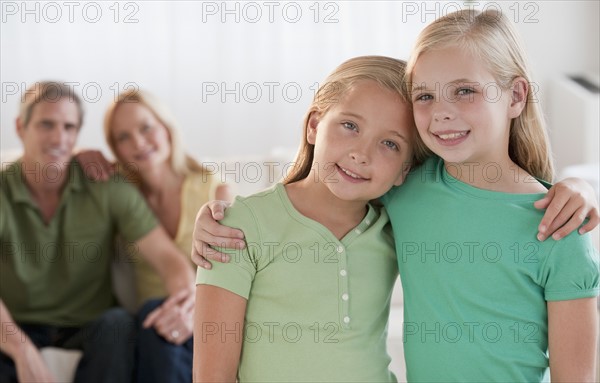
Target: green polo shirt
(59,273)
(317,306)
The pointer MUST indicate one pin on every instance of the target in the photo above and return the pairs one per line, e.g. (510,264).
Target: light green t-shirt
(317,306)
(59,274)
(476,280)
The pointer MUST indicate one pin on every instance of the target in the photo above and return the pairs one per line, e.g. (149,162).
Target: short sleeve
(129,209)
(237,275)
(571,269)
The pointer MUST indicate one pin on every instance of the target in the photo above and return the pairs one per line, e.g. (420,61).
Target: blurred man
(57,237)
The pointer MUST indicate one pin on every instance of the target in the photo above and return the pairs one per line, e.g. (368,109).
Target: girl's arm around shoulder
(572,340)
(218,334)
(568,204)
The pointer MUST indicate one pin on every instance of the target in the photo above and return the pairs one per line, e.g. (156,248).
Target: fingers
(207,221)
(218,241)
(200,261)
(572,215)
(208,232)
(176,322)
(168,328)
(572,224)
(157,314)
(31,367)
(556,202)
(544,202)
(594,220)
(188,305)
(217,208)
(100,166)
(562,223)
(95,166)
(205,249)
(152,317)
(206,228)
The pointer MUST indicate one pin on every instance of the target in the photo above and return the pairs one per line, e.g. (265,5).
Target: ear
(405,169)
(519,91)
(20,127)
(311,127)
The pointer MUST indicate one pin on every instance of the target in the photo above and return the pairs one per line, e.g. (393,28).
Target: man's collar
(21,193)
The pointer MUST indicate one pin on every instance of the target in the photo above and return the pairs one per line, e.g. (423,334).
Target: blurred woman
(144,138)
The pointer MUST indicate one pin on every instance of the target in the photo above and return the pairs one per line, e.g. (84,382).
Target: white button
(340,249)
(345,297)
(346,319)
(368,222)
(343,273)
(358,231)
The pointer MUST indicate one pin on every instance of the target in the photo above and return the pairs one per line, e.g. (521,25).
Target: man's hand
(30,365)
(207,232)
(18,346)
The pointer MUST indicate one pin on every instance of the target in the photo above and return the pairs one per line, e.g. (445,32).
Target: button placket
(344,297)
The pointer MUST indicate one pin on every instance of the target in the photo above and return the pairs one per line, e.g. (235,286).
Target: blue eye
(350,125)
(464,91)
(391,144)
(424,97)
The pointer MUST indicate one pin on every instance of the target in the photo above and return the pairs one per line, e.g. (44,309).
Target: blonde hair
(47,91)
(181,163)
(386,71)
(490,36)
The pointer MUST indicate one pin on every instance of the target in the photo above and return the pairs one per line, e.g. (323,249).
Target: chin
(61,162)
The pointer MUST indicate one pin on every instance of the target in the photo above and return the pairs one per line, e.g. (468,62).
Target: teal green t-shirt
(317,306)
(476,279)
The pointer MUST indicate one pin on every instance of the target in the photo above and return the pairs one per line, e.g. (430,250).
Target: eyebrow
(422,86)
(350,114)
(399,135)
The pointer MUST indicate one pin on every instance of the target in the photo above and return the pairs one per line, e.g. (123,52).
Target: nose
(443,116)
(360,155)
(138,141)
(59,135)
(444,111)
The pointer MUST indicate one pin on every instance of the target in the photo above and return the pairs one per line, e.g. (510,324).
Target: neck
(160,180)
(44,181)
(501,175)
(313,200)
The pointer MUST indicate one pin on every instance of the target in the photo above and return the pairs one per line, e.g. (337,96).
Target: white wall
(178,50)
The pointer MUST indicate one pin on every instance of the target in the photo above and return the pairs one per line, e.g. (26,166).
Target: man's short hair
(48,91)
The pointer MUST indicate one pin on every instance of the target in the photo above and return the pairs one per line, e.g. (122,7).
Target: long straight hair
(386,71)
(490,36)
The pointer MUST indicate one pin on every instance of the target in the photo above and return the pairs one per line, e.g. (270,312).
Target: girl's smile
(362,143)
(461,112)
